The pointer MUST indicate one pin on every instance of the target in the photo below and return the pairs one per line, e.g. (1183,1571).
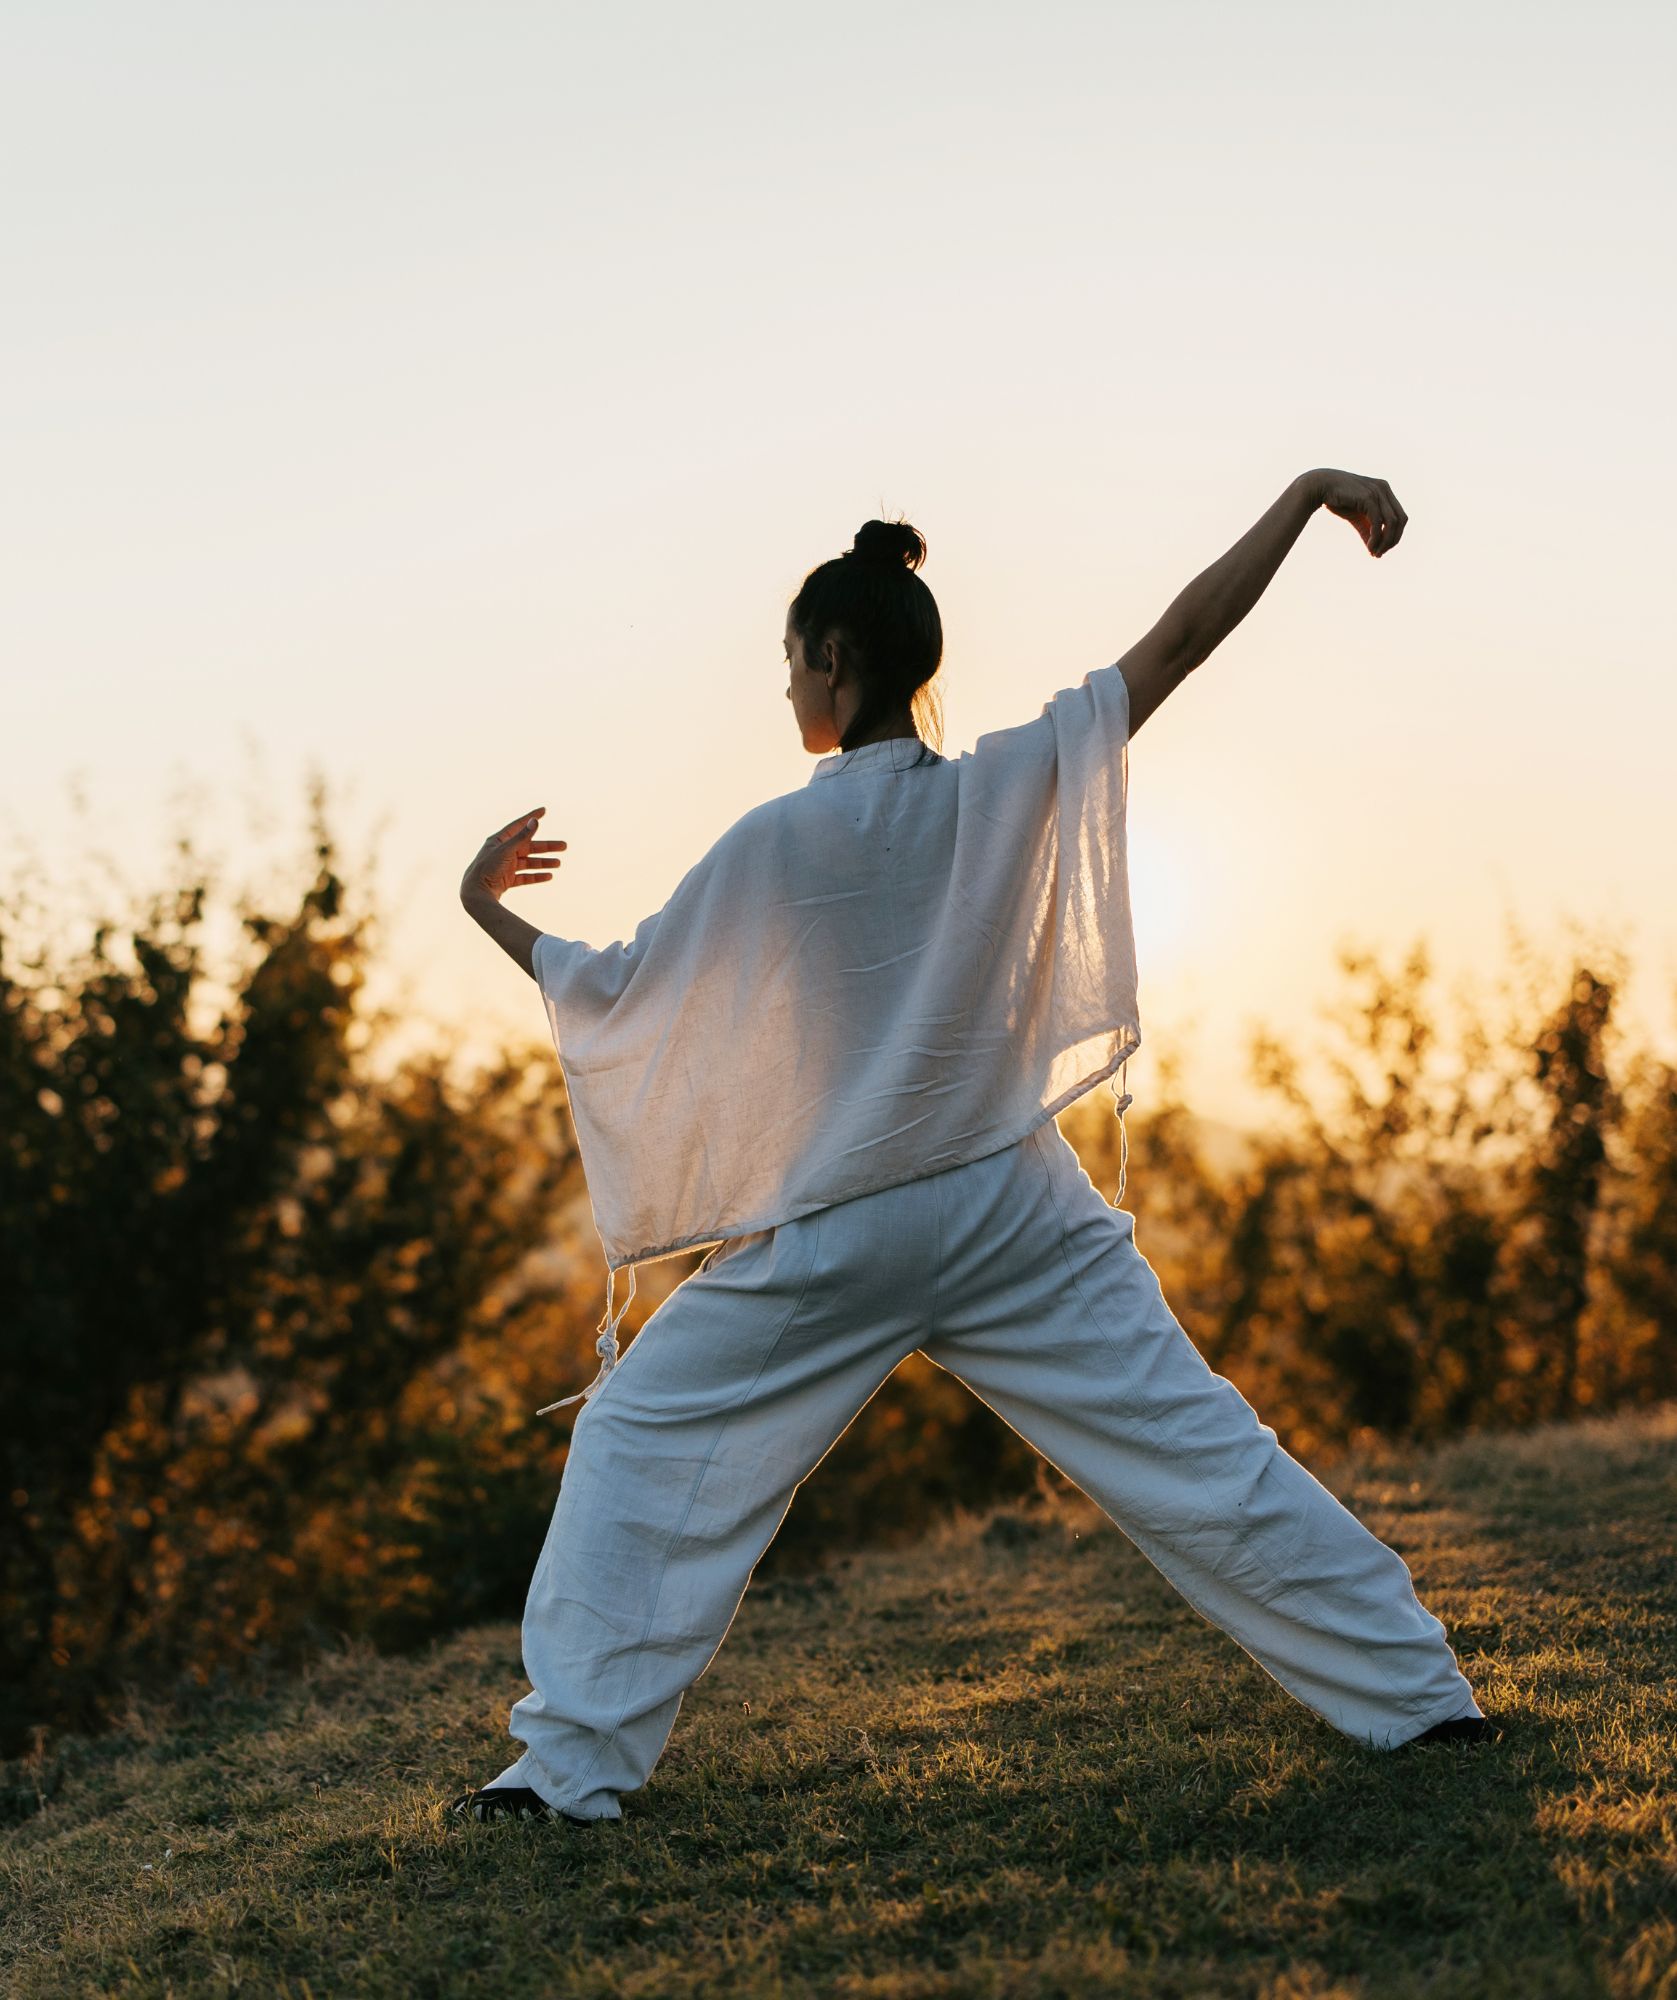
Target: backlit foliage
(277,1319)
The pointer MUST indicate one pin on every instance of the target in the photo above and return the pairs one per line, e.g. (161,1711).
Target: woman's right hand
(511,859)
(1369,505)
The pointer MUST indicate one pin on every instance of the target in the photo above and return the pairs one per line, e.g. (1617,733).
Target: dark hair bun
(889,542)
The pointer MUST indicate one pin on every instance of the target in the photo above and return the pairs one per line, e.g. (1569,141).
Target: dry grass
(1006,1762)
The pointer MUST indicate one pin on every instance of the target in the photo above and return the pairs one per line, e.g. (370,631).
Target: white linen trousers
(1014,1273)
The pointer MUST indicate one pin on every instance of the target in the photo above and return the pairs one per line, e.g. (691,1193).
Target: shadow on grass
(1009,1762)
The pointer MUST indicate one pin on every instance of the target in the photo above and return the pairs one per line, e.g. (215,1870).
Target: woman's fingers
(1400,520)
(1374,524)
(518,837)
(1387,518)
(1388,515)
(515,859)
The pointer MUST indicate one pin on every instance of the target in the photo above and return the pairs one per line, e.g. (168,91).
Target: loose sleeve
(1078,728)
(1095,972)
(1041,868)
(649,1035)
(582,984)
(1098,710)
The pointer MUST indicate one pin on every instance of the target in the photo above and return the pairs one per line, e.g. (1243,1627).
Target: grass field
(1009,1761)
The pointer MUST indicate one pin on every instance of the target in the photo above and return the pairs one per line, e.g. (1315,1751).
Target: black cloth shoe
(1460,1729)
(510,1802)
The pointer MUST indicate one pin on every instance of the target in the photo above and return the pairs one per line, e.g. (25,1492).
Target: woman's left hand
(511,859)
(1368,504)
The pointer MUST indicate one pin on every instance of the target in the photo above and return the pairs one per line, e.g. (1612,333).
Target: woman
(835,1056)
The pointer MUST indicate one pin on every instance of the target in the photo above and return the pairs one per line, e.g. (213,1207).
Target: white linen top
(899,967)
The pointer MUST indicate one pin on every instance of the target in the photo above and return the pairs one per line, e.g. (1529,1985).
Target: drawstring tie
(605,1347)
(1121,1105)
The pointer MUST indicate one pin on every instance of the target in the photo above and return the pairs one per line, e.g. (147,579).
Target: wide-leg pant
(1015,1274)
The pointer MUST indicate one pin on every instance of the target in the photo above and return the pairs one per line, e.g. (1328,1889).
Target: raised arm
(1199,619)
(510,859)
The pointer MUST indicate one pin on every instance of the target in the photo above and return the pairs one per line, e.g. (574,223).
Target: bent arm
(1200,618)
(509,930)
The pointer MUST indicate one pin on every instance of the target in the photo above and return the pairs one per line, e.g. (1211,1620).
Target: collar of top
(889,753)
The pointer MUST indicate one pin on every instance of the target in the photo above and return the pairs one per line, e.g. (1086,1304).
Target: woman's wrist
(1311,486)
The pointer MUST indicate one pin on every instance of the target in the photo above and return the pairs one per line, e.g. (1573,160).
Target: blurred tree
(1632,1346)
(1551,1242)
(1410,1252)
(226,1255)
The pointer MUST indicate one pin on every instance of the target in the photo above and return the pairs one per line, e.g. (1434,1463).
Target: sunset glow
(458,417)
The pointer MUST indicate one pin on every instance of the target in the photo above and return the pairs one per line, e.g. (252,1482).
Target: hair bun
(889,542)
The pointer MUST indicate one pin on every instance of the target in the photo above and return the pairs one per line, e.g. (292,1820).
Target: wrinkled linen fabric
(893,970)
(906,964)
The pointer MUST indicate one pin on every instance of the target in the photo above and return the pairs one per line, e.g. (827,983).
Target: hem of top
(710,1238)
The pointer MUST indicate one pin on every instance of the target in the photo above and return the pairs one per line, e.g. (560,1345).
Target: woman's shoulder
(753,840)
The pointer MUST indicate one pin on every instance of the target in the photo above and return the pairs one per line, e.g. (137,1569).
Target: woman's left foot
(509,1802)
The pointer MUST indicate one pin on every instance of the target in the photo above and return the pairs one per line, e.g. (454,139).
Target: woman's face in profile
(811,695)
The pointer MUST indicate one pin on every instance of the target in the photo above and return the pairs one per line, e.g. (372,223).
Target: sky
(450,399)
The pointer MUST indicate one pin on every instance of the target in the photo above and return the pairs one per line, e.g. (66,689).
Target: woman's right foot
(1460,1729)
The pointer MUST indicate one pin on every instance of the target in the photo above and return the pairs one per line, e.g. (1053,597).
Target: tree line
(277,1315)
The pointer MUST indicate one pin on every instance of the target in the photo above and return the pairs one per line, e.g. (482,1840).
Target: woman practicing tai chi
(836,1055)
